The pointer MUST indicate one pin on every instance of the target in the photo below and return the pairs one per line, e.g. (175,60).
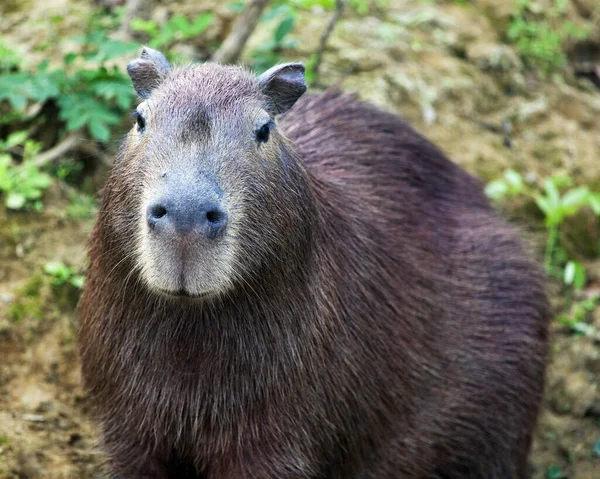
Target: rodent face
(212,196)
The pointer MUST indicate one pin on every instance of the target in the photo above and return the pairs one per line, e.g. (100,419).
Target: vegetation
(556,206)
(540,34)
(176,29)
(21,183)
(62,274)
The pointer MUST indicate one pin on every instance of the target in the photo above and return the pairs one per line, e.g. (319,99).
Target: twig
(339,10)
(73,141)
(232,47)
(70,142)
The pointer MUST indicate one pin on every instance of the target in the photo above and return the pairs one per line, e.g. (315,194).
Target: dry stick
(339,9)
(73,141)
(243,27)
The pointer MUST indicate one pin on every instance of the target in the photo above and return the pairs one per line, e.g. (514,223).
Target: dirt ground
(441,66)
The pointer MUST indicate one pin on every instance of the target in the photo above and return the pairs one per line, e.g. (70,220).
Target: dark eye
(262,134)
(141,122)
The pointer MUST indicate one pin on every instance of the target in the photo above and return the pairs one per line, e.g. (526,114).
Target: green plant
(268,53)
(67,170)
(554,205)
(81,206)
(176,29)
(554,472)
(557,207)
(62,274)
(22,183)
(574,275)
(28,303)
(540,35)
(87,92)
(574,317)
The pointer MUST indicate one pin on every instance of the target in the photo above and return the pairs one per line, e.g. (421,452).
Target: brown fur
(379,322)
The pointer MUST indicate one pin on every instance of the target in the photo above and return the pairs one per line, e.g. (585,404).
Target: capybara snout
(187,211)
(301,288)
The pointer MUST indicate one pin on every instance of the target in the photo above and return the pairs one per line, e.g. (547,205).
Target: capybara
(321,294)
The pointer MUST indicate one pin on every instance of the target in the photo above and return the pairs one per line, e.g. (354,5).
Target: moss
(28,303)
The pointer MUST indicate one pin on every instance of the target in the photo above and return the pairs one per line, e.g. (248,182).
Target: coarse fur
(369,316)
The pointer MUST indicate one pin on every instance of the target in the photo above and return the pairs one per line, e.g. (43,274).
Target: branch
(339,10)
(70,142)
(73,141)
(232,47)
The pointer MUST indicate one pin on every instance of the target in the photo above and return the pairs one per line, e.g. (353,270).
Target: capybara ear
(148,71)
(282,85)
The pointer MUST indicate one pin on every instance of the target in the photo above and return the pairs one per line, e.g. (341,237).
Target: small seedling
(22,183)
(63,274)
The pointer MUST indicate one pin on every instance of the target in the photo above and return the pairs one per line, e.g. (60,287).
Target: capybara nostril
(155,212)
(187,215)
(214,216)
(214,221)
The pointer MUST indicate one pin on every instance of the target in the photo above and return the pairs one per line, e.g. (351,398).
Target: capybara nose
(180,216)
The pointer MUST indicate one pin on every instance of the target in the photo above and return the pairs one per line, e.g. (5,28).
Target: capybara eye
(141,122)
(262,134)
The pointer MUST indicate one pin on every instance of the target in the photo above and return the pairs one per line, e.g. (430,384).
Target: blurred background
(510,89)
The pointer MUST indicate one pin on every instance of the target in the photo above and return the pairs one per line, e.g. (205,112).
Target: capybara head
(203,173)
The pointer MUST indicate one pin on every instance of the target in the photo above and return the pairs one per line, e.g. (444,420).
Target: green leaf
(69,58)
(515,181)
(580,278)
(497,189)
(576,198)
(17,101)
(78,281)
(149,27)
(554,472)
(575,275)
(15,201)
(569,272)
(99,130)
(16,138)
(55,268)
(202,23)
(552,192)
(75,122)
(594,201)
(284,28)
(543,204)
